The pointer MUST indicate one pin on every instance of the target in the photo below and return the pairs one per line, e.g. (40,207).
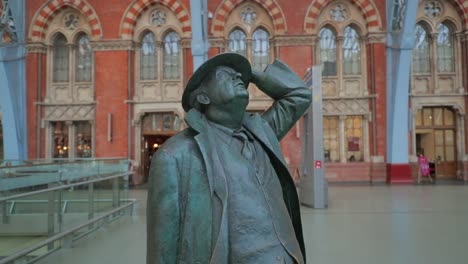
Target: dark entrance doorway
(156,129)
(151,144)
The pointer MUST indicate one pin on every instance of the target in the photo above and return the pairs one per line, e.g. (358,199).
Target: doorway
(436,139)
(151,144)
(157,127)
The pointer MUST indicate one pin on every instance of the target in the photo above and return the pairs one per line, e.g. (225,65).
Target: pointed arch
(227,6)
(51,8)
(135,9)
(368,9)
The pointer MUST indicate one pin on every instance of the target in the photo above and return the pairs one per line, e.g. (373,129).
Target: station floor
(420,224)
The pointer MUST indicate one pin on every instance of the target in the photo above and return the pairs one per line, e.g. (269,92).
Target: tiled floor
(376,225)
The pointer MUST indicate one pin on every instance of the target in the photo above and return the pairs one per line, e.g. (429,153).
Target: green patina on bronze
(196,177)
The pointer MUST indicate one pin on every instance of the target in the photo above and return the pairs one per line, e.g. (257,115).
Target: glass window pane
(351,52)
(328,52)
(171,56)
(444,49)
(60,63)
(449,138)
(439,153)
(148,58)
(83,60)
(60,140)
(83,139)
(353,132)
(331,140)
(427,116)
(437,116)
(450,153)
(260,49)
(449,117)
(420,54)
(439,137)
(237,42)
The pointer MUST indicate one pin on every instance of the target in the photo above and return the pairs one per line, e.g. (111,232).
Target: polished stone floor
(369,224)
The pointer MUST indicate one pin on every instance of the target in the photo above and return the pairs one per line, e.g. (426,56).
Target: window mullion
(339,68)
(433,62)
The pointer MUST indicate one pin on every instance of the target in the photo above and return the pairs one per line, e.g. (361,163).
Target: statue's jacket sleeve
(291,97)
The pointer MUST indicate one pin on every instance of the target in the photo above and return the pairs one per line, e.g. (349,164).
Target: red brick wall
(111,93)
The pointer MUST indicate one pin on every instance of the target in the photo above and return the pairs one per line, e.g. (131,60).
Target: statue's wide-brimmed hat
(232,60)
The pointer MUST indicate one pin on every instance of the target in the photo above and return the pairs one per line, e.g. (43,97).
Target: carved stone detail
(69,112)
(71,21)
(351,106)
(304,40)
(446,85)
(248,14)
(36,48)
(329,88)
(433,9)
(339,13)
(352,87)
(421,85)
(172,91)
(158,17)
(112,45)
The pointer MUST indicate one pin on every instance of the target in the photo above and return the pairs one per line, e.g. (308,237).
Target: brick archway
(368,9)
(225,8)
(51,8)
(130,17)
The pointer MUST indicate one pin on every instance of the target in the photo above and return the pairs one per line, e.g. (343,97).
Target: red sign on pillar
(318,164)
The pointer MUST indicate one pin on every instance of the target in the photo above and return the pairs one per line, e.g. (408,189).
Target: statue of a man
(220,191)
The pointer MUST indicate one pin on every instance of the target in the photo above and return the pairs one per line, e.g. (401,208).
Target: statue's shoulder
(181,143)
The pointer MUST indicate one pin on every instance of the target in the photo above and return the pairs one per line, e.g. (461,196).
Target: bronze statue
(220,191)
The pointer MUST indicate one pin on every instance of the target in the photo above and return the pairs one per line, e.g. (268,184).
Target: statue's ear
(203,99)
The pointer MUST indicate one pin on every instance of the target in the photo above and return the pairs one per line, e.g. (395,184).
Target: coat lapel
(254,124)
(217,182)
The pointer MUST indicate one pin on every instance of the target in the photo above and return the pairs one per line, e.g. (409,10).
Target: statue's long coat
(187,197)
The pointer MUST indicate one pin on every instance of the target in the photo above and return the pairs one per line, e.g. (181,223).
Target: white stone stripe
(222,12)
(47,10)
(229,4)
(368,8)
(86,9)
(314,10)
(372,19)
(181,15)
(55,3)
(310,20)
(275,11)
(36,28)
(131,16)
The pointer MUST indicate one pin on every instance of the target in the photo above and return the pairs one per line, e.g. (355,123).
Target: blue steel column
(401,20)
(12,83)
(199,12)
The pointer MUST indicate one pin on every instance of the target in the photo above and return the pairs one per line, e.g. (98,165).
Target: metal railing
(94,186)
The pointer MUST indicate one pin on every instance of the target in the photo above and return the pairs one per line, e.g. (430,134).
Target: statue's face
(225,86)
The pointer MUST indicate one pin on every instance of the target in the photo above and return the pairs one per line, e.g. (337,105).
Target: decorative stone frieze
(303,40)
(62,112)
(113,45)
(348,106)
(36,48)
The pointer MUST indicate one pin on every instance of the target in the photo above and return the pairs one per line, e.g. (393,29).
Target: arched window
(148,57)
(351,52)
(421,51)
(237,42)
(83,59)
(60,59)
(171,56)
(328,52)
(260,49)
(444,49)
